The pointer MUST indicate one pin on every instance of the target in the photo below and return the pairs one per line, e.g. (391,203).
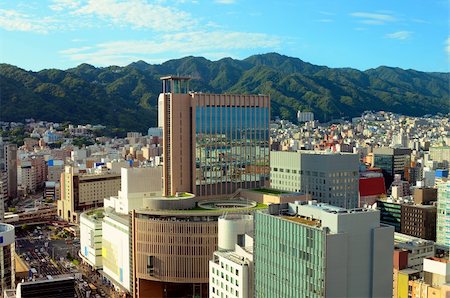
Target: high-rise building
(318,250)
(213,144)
(391,161)
(329,177)
(443,214)
(8,167)
(11,169)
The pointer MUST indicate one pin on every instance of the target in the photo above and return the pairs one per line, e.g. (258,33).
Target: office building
(424,195)
(329,177)
(213,144)
(392,161)
(8,167)
(60,287)
(7,265)
(318,250)
(441,155)
(418,221)
(231,269)
(55,168)
(84,191)
(412,250)
(443,214)
(408,218)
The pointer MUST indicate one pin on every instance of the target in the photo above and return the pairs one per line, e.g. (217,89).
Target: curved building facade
(7,270)
(171,252)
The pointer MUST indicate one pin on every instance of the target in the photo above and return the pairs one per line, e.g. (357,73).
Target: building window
(150,264)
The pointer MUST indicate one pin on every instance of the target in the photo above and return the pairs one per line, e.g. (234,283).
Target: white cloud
(200,43)
(13,20)
(225,1)
(60,5)
(373,18)
(447,45)
(401,35)
(139,14)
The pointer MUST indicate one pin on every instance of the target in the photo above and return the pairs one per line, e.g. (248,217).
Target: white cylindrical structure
(232,230)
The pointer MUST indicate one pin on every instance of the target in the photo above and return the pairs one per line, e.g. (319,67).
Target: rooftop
(303,220)
(232,256)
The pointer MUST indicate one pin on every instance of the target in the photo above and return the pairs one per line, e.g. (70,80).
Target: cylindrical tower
(7,270)
(232,230)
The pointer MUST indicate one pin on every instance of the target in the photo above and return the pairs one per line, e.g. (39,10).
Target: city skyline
(362,35)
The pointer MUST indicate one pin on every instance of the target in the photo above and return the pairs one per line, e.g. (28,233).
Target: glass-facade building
(289,258)
(231,148)
(213,144)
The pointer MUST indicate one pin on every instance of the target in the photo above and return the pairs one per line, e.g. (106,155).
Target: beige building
(173,242)
(84,191)
(213,144)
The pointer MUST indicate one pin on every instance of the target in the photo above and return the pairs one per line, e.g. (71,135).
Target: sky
(362,34)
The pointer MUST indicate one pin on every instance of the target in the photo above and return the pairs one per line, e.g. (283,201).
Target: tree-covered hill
(126,97)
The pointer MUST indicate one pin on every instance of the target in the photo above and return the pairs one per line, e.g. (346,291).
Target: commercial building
(329,177)
(7,268)
(418,221)
(435,282)
(231,270)
(443,214)
(105,232)
(408,218)
(371,188)
(412,250)
(318,250)
(392,161)
(62,287)
(84,191)
(213,144)
(91,238)
(116,251)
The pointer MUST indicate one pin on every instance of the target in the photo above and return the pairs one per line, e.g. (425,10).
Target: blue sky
(348,33)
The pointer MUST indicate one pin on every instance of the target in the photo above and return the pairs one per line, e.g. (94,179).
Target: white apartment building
(305,116)
(231,269)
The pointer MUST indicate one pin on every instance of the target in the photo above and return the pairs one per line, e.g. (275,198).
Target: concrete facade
(328,254)
(91,237)
(81,192)
(329,177)
(443,214)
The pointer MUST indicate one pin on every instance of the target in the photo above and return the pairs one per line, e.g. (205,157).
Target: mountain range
(126,97)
